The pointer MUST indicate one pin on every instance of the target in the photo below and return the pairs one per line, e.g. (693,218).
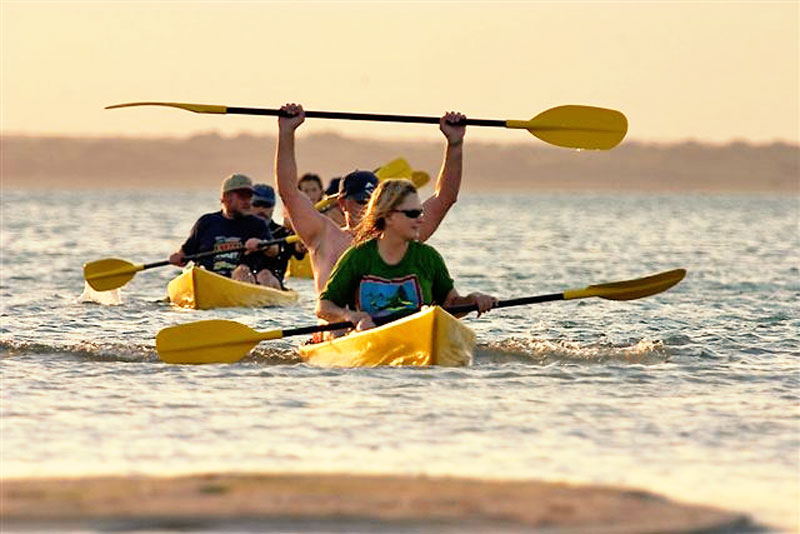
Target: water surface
(692,393)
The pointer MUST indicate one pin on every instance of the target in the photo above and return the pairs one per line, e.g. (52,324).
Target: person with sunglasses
(325,240)
(388,272)
(263,206)
(230,228)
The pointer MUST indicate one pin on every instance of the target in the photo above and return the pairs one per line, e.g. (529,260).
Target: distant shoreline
(201,161)
(268,502)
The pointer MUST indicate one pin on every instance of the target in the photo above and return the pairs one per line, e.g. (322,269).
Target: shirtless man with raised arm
(324,239)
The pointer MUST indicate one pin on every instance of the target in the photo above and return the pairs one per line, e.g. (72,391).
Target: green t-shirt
(362,281)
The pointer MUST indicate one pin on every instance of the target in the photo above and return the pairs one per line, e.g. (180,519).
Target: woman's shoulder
(365,246)
(360,250)
(423,248)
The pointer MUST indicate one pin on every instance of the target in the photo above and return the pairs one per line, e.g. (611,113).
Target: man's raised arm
(448,183)
(307,222)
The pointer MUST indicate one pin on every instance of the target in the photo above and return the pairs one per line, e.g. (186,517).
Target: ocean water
(692,393)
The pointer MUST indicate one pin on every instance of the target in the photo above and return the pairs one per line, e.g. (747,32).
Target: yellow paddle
(584,127)
(111,273)
(397,168)
(220,341)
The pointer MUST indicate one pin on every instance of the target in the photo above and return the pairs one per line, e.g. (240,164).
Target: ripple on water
(691,393)
(542,351)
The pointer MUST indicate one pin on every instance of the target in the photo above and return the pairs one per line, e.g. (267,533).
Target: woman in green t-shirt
(388,271)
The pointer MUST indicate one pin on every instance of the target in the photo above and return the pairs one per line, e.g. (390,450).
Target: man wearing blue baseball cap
(325,240)
(263,206)
(358,186)
(230,228)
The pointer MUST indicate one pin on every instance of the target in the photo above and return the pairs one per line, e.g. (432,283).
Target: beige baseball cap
(236,181)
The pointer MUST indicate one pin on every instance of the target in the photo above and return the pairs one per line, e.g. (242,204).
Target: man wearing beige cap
(230,228)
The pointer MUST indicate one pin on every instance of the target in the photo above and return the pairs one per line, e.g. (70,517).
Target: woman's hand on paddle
(331,312)
(453,125)
(362,320)
(483,301)
(292,116)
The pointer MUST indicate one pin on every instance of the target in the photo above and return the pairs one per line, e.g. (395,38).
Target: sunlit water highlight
(692,393)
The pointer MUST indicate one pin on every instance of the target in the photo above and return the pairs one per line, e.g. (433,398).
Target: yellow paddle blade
(326,202)
(420,178)
(577,127)
(397,168)
(214,341)
(197,108)
(110,273)
(400,168)
(630,289)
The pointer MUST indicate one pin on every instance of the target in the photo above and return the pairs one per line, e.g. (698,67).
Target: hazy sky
(711,71)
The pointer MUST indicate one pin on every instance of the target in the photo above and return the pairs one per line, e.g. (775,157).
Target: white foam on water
(644,351)
(104,298)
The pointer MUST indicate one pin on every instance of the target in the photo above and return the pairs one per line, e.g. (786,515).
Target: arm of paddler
(333,313)
(448,183)
(190,246)
(483,301)
(178,258)
(333,304)
(306,221)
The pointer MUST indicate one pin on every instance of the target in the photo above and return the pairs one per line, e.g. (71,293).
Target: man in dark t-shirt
(230,228)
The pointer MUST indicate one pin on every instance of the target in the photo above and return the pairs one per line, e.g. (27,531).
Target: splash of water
(545,351)
(104,298)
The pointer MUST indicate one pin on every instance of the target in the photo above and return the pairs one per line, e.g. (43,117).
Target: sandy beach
(335,503)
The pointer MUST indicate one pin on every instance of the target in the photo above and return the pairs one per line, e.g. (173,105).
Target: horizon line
(400,139)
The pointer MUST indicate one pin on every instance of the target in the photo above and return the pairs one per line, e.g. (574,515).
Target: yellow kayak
(429,337)
(300,268)
(202,290)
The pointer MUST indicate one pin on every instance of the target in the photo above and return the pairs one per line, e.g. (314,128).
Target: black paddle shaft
(522,301)
(466,308)
(341,326)
(375,117)
(263,244)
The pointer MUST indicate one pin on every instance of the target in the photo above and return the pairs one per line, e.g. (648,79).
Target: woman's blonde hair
(387,196)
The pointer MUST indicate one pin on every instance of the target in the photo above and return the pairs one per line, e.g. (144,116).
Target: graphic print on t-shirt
(225,263)
(380,297)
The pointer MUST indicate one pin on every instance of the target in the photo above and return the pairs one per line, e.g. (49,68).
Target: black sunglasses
(411,214)
(259,204)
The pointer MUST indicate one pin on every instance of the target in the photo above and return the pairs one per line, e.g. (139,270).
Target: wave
(543,352)
(101,352)
(513,350)
(131,353)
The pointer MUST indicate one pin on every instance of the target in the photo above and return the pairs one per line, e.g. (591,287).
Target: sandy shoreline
(351,503)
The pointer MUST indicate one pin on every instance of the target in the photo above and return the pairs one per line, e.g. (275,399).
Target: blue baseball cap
(358,185)
(263,194)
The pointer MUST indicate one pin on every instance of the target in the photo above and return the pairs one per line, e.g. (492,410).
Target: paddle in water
(585,127)
(221,341)
(111,273)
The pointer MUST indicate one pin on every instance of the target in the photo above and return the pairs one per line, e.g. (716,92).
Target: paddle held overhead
(584,127)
